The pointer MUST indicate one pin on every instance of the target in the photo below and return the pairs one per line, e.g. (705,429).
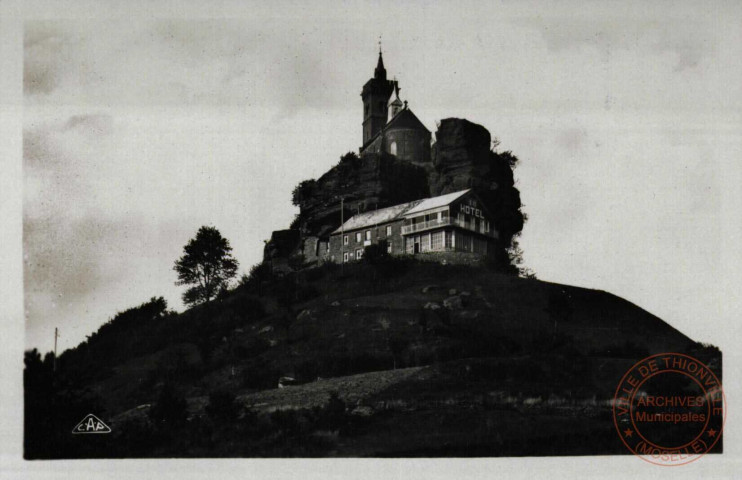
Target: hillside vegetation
(393,357)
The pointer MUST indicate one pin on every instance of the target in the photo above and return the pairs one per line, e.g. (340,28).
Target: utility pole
(56,335)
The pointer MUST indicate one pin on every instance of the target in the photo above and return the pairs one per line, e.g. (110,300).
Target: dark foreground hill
(397,358)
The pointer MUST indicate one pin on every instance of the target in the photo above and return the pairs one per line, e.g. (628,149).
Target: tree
(303,191)
(206,264)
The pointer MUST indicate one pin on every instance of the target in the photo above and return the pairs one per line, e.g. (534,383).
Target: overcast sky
(139,130)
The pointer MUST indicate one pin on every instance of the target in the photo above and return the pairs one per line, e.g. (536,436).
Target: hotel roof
(435,202)
(388,214)
(376,217)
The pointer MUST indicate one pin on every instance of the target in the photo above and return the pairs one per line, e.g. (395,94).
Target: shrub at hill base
(170,408)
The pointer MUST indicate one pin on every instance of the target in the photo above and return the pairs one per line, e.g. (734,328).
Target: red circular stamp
(669,409)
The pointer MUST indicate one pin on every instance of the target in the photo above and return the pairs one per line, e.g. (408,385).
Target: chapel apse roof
(405,119)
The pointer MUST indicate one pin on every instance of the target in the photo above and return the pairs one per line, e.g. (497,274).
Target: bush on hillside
(260,375)
(248,307)
(222,405)
(322,271)
(332,415)
(375,253)
(259,273)
(545,342)
(303,191)
(287,422)
(170,408)
(626,350)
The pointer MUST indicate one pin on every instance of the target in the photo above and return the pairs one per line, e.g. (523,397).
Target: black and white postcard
(386,239)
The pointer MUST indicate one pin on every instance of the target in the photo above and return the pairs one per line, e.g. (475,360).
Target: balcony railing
(419,227)
(422,226)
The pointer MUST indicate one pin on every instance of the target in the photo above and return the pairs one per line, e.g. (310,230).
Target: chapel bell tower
(375,95)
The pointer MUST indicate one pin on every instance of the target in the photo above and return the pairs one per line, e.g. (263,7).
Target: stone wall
(378,234)
(315,249)
(375,146)
(452,258)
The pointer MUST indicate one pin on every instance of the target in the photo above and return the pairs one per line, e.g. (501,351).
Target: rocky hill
(393,358)
(388,356)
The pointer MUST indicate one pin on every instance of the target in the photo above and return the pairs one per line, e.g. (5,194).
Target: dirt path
(350,389)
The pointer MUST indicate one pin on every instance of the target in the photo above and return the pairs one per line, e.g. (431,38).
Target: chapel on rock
(391,127)
(400,192)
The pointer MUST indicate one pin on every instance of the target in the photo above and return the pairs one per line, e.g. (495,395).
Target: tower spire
(380,71)
(375,95)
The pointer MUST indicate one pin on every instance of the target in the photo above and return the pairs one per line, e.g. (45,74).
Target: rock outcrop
(281,247)
(367,182)
(462,158)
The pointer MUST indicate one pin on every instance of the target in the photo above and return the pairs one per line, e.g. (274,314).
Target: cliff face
(461,158)
(367,182)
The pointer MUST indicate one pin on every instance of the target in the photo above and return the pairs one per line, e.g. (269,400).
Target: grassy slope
(495,374)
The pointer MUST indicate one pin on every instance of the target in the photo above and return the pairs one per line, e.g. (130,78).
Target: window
(449,240)
(479,246)
(393,148)
(368,234)
(388,230)
(409,243)
(359,254)
(358,237)
(389,247)
(345,257)
(465,245)
(345,239)
(425,243)
(437,242)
